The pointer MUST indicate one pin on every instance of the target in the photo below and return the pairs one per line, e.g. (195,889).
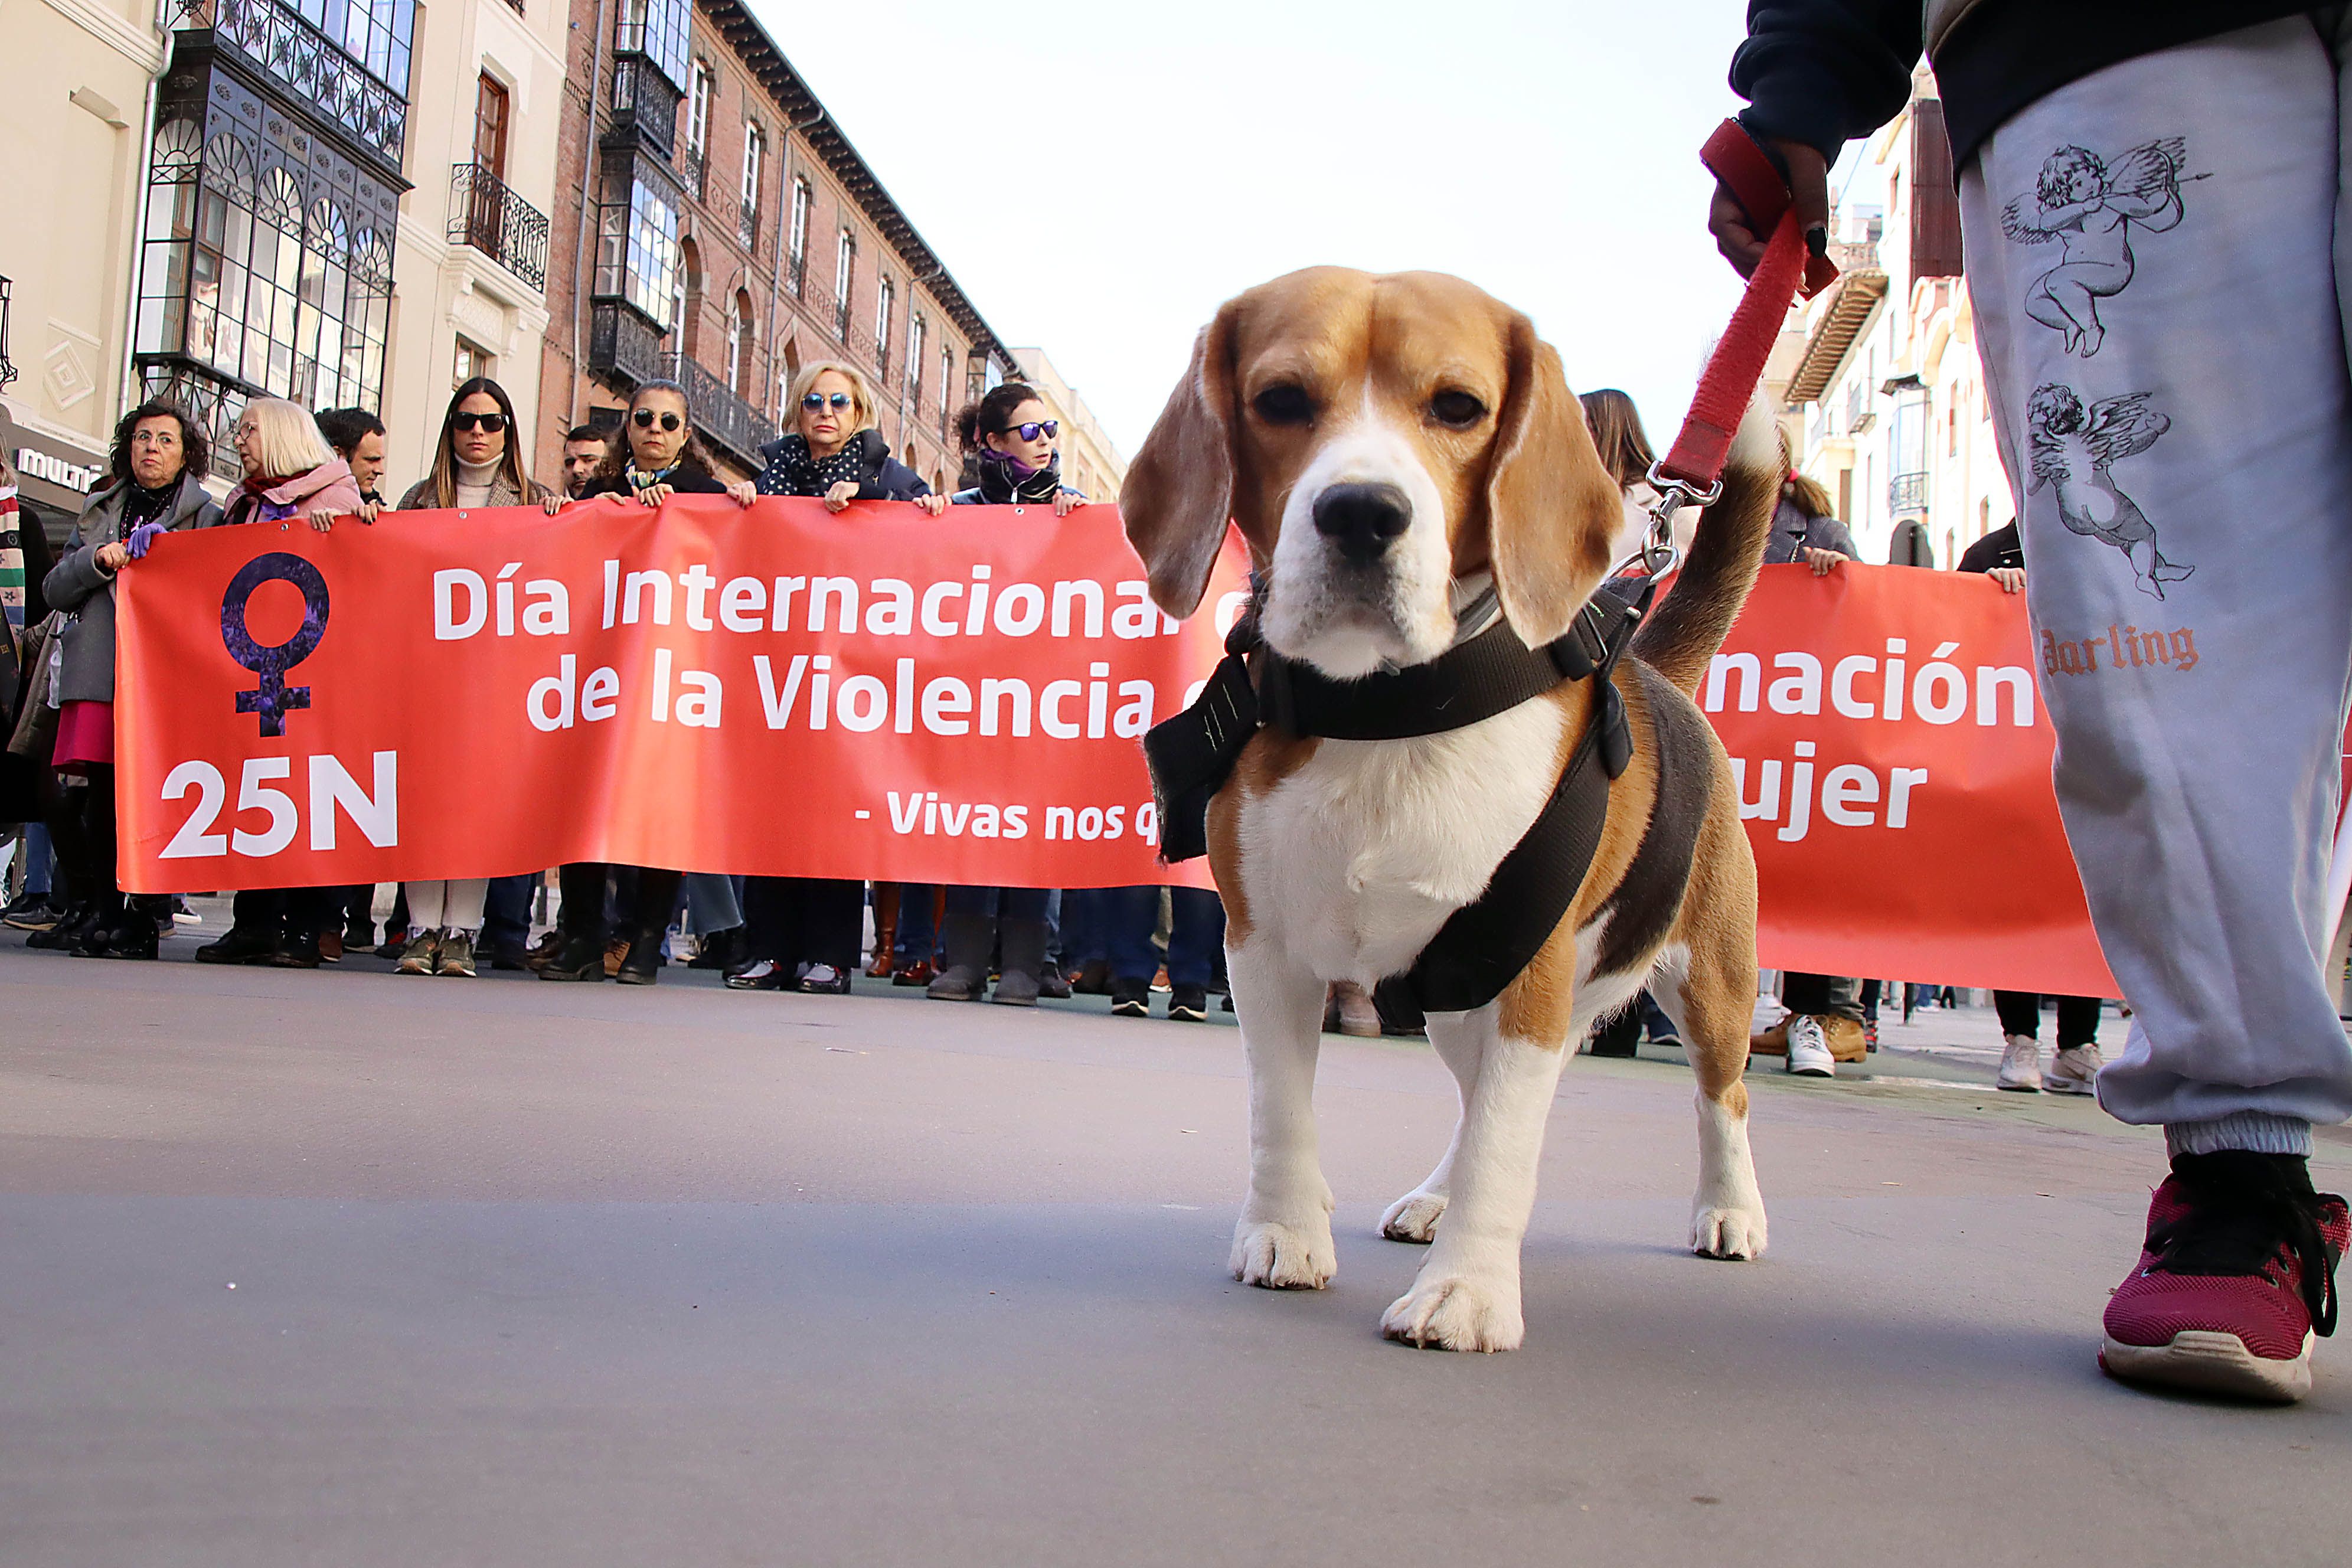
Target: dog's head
(1379,440)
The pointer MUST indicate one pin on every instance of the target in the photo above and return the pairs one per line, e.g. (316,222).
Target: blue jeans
(37,858)
(506,910)
(917,940)
(1085,930)
(1196,930)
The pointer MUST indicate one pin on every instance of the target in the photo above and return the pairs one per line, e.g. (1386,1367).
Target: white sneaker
(2021,1065)
(1808,1053)
(2075,1070)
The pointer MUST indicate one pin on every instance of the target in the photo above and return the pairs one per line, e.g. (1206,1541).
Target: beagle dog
(1392,448)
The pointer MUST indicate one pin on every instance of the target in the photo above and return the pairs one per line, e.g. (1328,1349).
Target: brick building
(712,224)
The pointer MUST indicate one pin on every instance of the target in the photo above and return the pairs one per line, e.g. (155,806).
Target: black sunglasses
(818,400)
(644,420)
(1049,428)
(493,423)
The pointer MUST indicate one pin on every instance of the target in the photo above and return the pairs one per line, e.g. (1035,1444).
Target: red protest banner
(1894,765)
(776,691)
(885,695)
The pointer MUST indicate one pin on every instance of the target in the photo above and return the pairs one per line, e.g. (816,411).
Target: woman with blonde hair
(802,932)
(289,469)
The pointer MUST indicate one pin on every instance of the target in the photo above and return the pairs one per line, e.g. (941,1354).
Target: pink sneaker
(2235,1281)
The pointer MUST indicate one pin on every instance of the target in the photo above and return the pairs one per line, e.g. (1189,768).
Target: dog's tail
(1690,623)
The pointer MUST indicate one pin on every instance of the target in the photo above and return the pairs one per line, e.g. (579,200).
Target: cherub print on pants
(2073,451)
(2091,210)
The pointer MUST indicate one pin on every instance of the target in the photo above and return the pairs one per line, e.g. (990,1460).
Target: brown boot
(1845,1038)
(1350,1011)
(1772,1042)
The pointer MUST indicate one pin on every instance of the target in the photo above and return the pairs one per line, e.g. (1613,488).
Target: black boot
(579,958)
(240,944)
(642,964)
(64,936)
(1018,984)
(969,938)
(721,950)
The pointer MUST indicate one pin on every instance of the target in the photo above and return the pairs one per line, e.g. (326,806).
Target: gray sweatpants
(2157,257)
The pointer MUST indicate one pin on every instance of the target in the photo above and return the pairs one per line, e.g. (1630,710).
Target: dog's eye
(1458,409)
(1283,405)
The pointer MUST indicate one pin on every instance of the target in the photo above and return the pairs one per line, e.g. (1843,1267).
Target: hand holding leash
(1741,234)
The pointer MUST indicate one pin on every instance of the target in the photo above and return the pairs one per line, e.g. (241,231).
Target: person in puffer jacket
(158,463)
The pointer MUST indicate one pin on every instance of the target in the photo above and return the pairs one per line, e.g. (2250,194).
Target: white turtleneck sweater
(474,483)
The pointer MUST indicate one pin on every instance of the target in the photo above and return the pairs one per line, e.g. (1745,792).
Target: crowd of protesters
(623,923)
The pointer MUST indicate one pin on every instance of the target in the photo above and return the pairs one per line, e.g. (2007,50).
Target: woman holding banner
(1013,437)
(477,462)
(802,932)
(158,468)
(658,457)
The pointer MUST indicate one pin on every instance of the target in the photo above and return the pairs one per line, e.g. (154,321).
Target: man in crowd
(583,449)
(2147,200)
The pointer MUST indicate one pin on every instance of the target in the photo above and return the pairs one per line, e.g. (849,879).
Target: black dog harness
(1484,945)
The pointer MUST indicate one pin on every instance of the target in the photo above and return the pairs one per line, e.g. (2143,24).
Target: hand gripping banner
(885,695)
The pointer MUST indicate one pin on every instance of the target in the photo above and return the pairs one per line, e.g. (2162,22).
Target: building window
(268,272)
(657,29)
(473,360)
(946,386)
(799,252)
(915,325)
(636,245)
(844,263)
(883,299)
(697,132)
(740,343)
(755,161)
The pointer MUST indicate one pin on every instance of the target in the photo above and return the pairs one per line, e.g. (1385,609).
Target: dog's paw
(1285,1257)
(1457,1313)
(1728,1232)
(1414,1218)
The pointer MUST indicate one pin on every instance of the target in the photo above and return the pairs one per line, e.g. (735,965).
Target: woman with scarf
(802,932)
(1011,433)
(477,462)
(158,465)
(290,471)
(657,458)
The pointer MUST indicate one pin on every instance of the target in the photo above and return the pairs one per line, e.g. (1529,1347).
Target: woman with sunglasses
(477,462)
(1012,434)
(802,932)
(658,457)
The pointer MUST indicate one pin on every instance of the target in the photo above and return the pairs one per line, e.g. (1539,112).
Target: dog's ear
(1551,509)
(1179,490)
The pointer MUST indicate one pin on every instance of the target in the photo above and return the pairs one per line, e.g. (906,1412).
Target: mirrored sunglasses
(818,400)
(1048,428)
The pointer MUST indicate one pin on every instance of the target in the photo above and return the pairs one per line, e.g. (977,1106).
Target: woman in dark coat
(658,457)
(158,465)
(802,932)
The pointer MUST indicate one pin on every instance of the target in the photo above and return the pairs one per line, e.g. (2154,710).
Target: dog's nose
(1361,519)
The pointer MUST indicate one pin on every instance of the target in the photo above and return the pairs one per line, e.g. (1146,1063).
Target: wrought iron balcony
(486,215)
(747,228)
(1907,492)
(624,347)
(696,164)
(725,420)
(645,106)
(282,42)
(796,273)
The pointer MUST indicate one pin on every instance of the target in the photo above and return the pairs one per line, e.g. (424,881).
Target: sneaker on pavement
(30,912)
(418,956)
(2021,1065)
(1189,1003)
(455,959)
(2074,1070)
(1809,1052)
(1130,998)
(2236,1280)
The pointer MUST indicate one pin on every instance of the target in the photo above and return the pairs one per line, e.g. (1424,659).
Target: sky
(1100,177)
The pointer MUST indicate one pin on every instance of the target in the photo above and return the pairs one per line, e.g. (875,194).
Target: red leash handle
(1694,462)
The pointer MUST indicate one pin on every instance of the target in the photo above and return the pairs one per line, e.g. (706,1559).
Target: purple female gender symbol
(274,698)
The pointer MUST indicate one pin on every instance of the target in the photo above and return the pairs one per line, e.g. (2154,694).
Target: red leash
(1693,467)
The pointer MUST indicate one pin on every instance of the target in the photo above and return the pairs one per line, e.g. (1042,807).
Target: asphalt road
(578,1276)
